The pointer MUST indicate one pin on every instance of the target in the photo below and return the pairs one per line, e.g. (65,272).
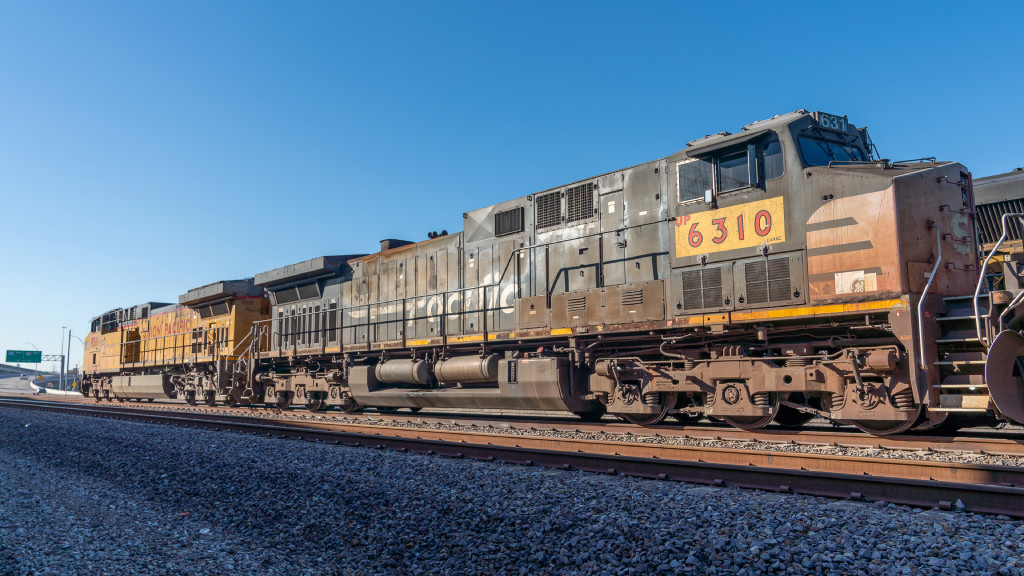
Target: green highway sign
(29,356)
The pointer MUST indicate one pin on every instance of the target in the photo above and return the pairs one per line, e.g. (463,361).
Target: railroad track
(988,442)
(974,488)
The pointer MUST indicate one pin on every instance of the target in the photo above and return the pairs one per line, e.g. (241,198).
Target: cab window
(745,166)
(819,152)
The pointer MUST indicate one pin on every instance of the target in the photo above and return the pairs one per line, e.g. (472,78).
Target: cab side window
(747,165)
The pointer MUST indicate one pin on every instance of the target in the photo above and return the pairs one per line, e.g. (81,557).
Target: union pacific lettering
(741,226)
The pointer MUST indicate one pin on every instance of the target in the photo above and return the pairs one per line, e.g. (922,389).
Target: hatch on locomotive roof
(218,290)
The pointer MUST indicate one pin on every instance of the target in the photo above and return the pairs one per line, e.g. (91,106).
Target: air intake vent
(549,210)
(220,309)
(702,288)
(285,296)
(990,226)
(631,297)
(309,291)
(580,202)
(508,222)
(576,304)
(768,281)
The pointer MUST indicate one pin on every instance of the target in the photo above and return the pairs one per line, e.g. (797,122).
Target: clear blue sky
(147,148)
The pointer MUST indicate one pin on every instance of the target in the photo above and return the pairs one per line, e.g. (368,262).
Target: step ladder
(962,356)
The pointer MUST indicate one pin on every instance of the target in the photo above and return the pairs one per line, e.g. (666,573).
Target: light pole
(69,361)
(60,380)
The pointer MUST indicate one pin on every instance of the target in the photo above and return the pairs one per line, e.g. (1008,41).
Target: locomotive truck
(772,275)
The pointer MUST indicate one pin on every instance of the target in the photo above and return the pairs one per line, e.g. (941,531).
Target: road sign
(27,356)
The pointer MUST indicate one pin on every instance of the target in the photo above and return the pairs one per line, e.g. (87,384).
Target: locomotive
(772,275)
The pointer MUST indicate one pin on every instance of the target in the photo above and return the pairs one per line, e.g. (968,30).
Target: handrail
(920,303)
(981,278)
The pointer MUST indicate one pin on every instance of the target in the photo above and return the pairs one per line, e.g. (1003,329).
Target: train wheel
(190,399)
(387,410)
(415,409)
(789,417)
(283,401)
(351,407)
(668,401)
(210,399)
(755,422)
(314,404)
(888,427)
(230,401)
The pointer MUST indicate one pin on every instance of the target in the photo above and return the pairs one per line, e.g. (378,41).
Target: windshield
(820,152)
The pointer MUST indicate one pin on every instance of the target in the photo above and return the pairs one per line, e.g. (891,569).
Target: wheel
(387,410)
(592,415)
(230,401)
(788,417)
(755,422)
(283,401)
(888,427)
(150,400)
(351,407)
(190,399)
(315,404)
(668,401)
(415,409)
(211,399)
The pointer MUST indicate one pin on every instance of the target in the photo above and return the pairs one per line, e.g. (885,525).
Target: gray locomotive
(772,275)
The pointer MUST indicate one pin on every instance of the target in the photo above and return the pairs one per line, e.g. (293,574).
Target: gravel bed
(83,495)
(639,435)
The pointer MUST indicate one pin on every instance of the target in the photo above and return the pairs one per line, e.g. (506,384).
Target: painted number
(695,238)
(763,223)
(762,227)
(722,232)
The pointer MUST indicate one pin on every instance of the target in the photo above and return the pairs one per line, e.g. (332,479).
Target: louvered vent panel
(508,222)
(712,281)
(309,291)
(990,225)
(580,202)
(549,210)
(692,298)
(631,297)
(219,309)
(285,296)
(757,282)
(205,312)
(778,280)
(576,304)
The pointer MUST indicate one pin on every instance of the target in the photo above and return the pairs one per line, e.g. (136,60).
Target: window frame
(756,177)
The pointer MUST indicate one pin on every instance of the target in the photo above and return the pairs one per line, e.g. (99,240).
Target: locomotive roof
(999,187)
(313,268)
(714,142)
(222,289)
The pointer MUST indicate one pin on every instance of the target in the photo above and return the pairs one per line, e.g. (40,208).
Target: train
(769,276)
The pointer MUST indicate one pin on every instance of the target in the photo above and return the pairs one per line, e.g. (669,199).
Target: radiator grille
(576,304)
(508,222)
(219,309)
(580,202)
(990,226)
(549,210)
(631,297)
(285,296)
(309,291)
(702,288)
(767,281)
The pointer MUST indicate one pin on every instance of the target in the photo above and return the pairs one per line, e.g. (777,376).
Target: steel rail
(974,488)
(1011,446)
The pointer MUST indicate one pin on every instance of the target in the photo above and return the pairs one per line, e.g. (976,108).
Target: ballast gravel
(82,495)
